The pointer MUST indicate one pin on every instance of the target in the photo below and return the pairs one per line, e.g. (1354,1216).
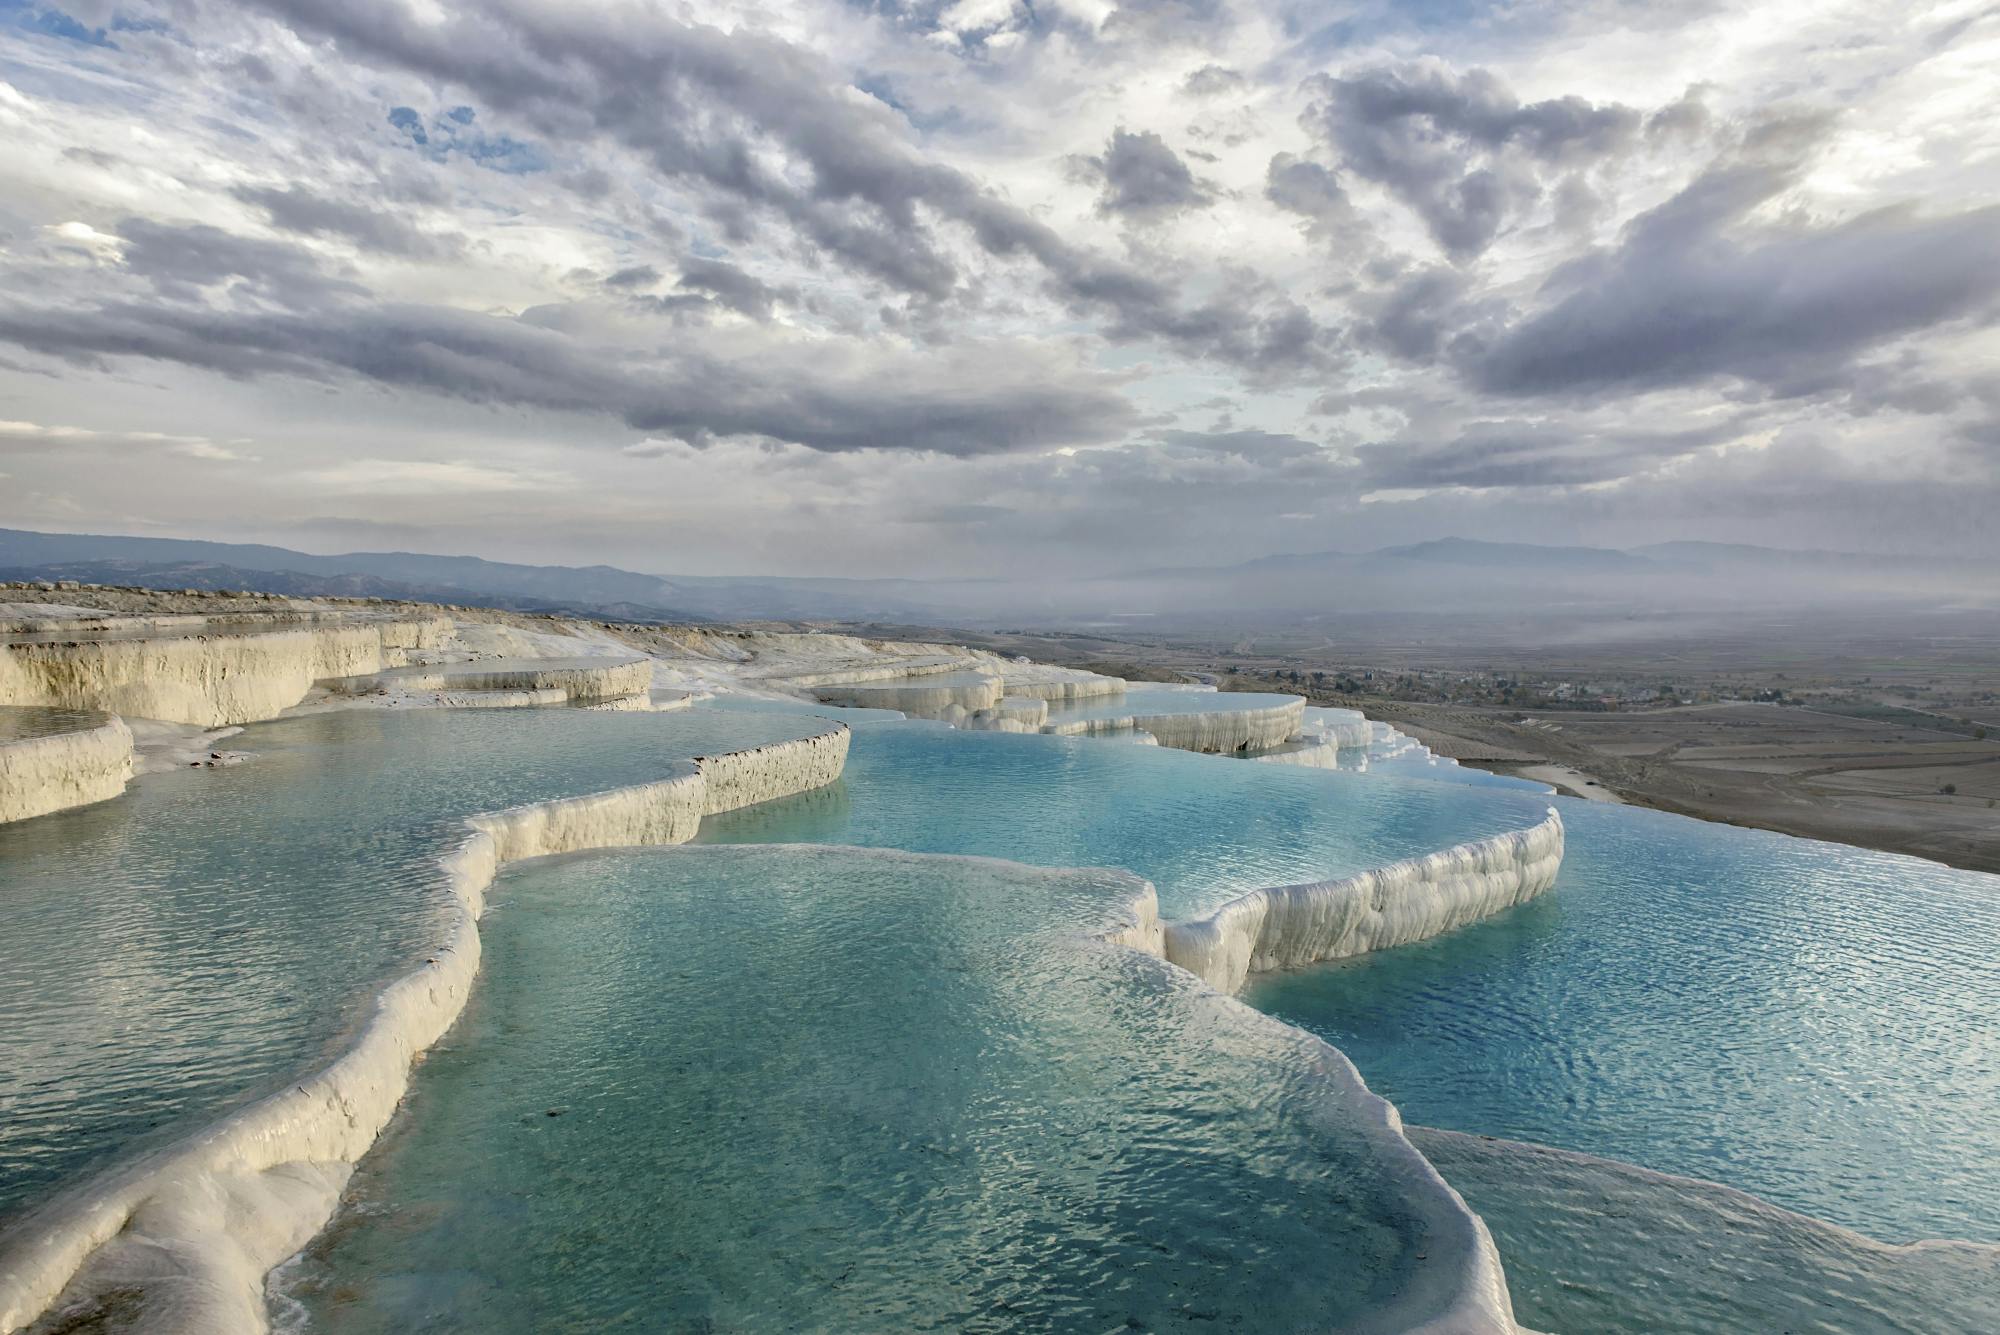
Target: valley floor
(1783,768)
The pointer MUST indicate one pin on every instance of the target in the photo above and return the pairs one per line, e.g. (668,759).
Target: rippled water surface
(1202,829)
(21,722)
(814,1089)
(167,954)
(1596,1247)
(1816,1024)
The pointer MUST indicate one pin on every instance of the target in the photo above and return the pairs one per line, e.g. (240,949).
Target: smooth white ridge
(1291,926)
(195,1228)
(65,769)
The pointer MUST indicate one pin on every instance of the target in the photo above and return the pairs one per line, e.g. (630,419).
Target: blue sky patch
(453,132)
(51,23)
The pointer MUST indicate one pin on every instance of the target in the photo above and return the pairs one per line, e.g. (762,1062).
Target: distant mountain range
(1449,575)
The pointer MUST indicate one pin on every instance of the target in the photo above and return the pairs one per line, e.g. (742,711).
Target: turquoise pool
(1597,1247)
(1202,829)
(1808,1022)
(985,1124)
(175,952)
(783,1088)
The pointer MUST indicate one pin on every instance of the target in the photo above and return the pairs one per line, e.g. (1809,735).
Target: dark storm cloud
(1459,149)
(298,209)
(1143,178)
(1695,291)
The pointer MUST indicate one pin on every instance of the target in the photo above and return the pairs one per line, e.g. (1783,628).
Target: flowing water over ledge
(1805,1021)
(176,952)
(834,1089)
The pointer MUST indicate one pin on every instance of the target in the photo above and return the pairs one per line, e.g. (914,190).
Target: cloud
(1212,81)
(764,126)
(181,261)
(1459,149)
(1514,453)
(1698,289)
(834,271)
(730,286)
(975,399)
(1144,179)
(305,212)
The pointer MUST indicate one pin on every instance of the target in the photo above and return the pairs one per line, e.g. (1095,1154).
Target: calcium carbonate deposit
(875,1055)
(53,759)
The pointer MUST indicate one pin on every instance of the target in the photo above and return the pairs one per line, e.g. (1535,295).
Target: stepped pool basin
(180,950)
(875,1086)
(1805,1021)
(812,1088)
(1202,830)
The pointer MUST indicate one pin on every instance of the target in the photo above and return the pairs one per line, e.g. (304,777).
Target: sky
(995,288)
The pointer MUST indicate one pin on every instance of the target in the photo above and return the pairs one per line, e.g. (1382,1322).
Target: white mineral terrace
(582,679)
(87,761)
(1291,926)
(1218,731)
(209,673)
(197,1226)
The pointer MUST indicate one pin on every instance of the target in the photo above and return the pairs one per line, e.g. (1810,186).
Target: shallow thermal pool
(767,1088)
(176,951)
(19,723)
(1597,1247)
(1816,1024)
(1202,829)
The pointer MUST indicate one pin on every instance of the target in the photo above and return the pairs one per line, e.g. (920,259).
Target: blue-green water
(178,950)
(1597,1247)
(1812,1023)
(1806,1021)
(1202,829)
(820,1089)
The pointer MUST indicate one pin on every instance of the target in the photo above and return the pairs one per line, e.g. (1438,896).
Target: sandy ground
(1567,780)
(1821,776)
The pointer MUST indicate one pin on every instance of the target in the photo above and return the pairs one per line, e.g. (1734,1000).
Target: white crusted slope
(1294,925)
(1210,731)
(228,676)
(59,770)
